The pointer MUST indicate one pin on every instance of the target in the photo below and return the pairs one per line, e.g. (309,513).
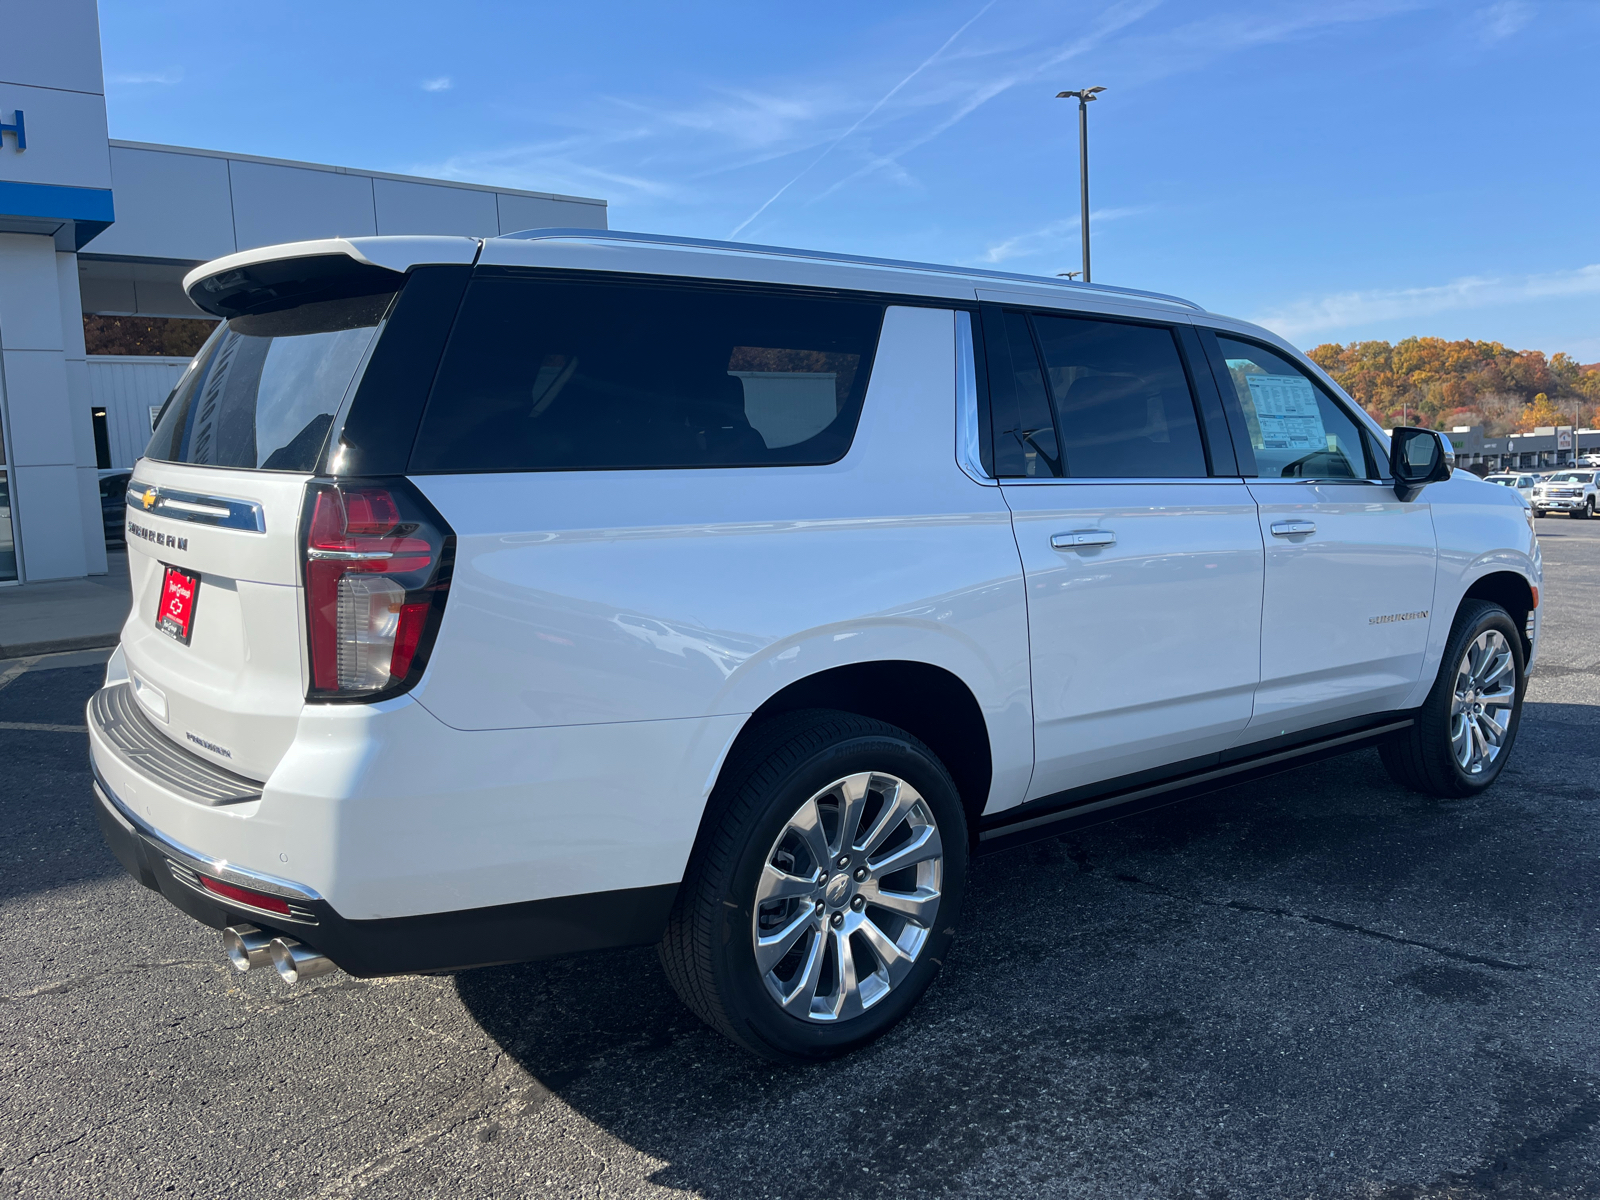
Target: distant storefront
(96,228)
(1550,446)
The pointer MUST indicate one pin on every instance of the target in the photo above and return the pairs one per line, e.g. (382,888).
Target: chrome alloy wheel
(1485,693)
(847,897)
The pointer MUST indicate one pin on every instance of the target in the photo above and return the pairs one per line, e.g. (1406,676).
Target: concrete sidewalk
(68,614)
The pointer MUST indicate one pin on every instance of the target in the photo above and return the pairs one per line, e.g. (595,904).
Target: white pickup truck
(1572,492)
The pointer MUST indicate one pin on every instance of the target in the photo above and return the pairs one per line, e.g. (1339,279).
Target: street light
(1083,96)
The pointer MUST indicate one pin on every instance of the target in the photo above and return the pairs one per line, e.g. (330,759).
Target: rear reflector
(377,570)
(241,895)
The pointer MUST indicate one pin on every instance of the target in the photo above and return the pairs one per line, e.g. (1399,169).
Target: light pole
(1083,96)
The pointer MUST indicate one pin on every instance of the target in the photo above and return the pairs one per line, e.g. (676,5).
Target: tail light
(377,573)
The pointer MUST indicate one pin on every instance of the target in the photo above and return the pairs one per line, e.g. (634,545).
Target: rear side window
(557,375)
(1122,400)
(263,391)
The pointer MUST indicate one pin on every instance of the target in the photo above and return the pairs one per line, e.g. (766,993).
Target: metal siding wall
(126,387)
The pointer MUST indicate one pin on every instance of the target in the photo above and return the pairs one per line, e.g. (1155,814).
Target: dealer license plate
(175,617)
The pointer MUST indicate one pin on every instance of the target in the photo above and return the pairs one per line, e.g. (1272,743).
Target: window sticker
(1286,408)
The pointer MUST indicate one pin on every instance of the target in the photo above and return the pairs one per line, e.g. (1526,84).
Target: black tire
(708,951)
(1584,512)
(1421,758)
(1538,512)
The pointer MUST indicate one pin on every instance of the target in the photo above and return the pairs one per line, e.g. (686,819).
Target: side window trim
(1004,406)
(1216,434)
(1237,426)
(974,437)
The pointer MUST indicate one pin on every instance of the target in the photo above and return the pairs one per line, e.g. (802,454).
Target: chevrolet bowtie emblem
(149,499)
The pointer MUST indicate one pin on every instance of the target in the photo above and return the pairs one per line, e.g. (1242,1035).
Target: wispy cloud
(1052,237)
(743,153)
(555,166)
(148,78)
(864,118)
(1348,310)
(1500,21)
(1115,18)
(442,83)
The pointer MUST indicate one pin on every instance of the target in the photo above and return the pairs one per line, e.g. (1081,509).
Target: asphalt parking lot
(1311,986)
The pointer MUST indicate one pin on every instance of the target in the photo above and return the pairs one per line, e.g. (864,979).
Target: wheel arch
(1512,592)
(930,702)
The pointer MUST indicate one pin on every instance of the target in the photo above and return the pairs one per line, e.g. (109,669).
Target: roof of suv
(646,253)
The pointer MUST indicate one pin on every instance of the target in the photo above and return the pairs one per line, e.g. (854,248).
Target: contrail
(887,96)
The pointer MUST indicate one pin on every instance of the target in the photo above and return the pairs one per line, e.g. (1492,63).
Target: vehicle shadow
(1077,1025)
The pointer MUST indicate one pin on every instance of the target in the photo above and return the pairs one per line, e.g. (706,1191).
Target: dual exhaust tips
(248,948)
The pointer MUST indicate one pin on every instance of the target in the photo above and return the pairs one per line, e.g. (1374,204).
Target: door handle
(1290,528)
(1083,537)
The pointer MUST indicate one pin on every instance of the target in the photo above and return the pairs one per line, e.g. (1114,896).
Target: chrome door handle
(1083,537)
(1290,528)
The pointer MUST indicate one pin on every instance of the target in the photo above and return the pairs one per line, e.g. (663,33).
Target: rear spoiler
(271,278)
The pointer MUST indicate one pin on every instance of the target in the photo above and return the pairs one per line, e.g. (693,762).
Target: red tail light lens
(248,896)
(377,572)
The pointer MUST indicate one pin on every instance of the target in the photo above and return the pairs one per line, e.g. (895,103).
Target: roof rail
(617,235)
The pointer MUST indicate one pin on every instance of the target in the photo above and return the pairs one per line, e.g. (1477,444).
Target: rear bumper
(445,941)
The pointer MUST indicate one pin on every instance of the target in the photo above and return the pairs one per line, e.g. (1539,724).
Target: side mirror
(1418,457)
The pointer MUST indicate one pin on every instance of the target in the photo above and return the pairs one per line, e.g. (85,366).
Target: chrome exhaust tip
(246,947)
(296,961)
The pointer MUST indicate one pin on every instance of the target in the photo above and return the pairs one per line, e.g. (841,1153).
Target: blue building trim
(48,201)
(88,209)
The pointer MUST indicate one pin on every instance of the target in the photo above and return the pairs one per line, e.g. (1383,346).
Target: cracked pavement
(1314,985)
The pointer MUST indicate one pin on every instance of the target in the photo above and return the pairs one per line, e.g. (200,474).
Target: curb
(96,641)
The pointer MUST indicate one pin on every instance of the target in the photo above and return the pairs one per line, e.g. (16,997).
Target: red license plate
(175,617)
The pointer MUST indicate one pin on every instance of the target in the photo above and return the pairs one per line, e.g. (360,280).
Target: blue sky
(1336,169)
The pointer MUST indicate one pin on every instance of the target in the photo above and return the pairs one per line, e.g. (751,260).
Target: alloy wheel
(847,897)
(1485,696)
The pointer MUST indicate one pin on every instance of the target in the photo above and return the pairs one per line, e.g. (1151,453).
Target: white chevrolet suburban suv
(501,599)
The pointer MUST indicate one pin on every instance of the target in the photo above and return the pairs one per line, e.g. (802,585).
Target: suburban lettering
(211,746)
(1410,616)
(157,538)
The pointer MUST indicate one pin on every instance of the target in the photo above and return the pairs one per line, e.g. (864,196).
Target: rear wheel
(1465,729)
(824,889)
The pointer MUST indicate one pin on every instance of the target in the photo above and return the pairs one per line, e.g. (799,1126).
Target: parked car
(114,502)
(1572,492)
(1523,483)
(597,589)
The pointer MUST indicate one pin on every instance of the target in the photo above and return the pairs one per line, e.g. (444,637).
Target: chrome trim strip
(1124,481)
(221,511)
(969,452)
(755,250)
(217,868)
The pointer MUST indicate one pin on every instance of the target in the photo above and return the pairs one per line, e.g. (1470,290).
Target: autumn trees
(1432,382)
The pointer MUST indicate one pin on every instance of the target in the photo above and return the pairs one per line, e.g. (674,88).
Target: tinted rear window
(263,391)
(1122,400)
(555,375)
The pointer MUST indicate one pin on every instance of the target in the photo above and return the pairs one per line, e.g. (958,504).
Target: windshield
(1570,477)
(263,391)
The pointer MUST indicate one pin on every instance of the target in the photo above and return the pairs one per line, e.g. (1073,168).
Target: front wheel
(1538,512)
(1584,511)
(824,889)
(1464,731)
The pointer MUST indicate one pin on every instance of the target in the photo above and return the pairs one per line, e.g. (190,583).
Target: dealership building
(93,226)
